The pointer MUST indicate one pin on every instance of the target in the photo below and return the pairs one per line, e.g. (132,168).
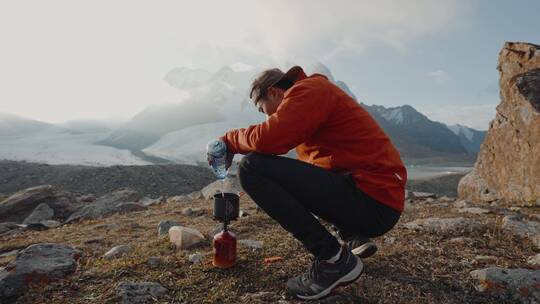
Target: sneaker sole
(352,276)
(365,250)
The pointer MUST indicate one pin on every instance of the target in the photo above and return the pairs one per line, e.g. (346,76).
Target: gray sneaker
(323,276)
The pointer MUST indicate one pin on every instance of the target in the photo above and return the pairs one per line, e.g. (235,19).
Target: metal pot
(226,206)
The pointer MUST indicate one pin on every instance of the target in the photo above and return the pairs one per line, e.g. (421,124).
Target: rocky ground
(152,180)
(430,257)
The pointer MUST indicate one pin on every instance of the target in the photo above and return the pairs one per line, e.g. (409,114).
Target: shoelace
(313,273)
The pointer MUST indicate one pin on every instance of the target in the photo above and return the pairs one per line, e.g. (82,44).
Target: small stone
(473,210)
(263,296)
(255,245)
(461,204)
(146,201)
(184,237)
(536,241)
(461,240)
(485,258)
(189,211)
(153,262)
(139,293)
(164,226)
(243,213)
(195,258)
(534,260)
(389,239)
(429,200)
(117,252)
(515,209)
(423,195)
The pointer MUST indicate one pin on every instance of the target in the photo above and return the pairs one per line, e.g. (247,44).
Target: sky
(64,60)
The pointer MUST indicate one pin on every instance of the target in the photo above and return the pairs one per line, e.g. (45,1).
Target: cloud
(64,59)
(439,76)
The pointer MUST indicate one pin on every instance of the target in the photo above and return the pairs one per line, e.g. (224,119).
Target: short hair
(261,84)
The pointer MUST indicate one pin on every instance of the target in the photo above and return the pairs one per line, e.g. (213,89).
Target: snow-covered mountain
(214,103)
(13,125)
(415,135)
(470,138)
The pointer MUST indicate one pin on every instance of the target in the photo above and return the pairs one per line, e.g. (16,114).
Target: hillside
(150,180)
(412,265)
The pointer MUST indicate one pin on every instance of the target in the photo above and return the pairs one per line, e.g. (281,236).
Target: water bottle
(217,152)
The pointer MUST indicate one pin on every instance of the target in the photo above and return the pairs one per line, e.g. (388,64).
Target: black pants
(291,191)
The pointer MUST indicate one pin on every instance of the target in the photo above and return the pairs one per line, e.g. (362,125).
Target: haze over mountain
(213,103)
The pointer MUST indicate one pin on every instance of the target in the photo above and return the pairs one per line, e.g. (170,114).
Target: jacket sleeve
(299,115)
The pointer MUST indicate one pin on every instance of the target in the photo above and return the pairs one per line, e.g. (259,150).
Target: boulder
(519,284)
(164,226)
(438,225)
(37,264)
(140,293)
(41,213)
(523,228)
(105,205)
(508,166)
(184,237)
(20,205)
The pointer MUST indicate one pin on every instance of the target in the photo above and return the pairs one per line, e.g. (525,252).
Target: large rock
(106,205)
(520,284)
(37,264)
(520,227)
(117,252)
(184,237)
(140,293)
(508,166)
(438,225)
(42,213)
(20,205)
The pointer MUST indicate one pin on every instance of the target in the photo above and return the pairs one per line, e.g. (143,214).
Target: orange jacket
(331,130)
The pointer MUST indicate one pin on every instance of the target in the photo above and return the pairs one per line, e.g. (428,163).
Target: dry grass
(410,267)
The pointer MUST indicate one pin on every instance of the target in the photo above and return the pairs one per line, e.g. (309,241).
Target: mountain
(86,126)
(212,98)
(13,125)
(414,134)
(470,138)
